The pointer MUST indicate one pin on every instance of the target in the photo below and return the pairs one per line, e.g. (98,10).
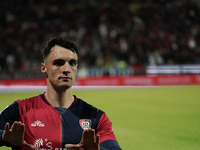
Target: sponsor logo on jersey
(38,143)
(85,123)
(37,124)
(45,144)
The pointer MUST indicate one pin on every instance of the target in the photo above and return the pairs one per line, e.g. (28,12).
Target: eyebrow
(60,59)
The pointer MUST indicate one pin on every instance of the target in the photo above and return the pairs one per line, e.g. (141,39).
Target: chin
(63,85)
(66,86)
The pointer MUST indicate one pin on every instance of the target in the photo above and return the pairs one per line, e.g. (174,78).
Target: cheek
(75,71)
(51,72)
(74,68)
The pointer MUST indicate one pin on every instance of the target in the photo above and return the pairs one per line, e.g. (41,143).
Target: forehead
(58,52)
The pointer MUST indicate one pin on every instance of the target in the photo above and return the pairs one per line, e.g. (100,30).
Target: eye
(73,62)
(59,62)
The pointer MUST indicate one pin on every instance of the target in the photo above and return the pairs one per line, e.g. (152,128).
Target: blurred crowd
(107,35)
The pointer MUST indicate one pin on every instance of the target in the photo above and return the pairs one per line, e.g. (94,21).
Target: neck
(60,98)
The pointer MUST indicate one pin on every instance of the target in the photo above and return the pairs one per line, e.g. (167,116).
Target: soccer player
(56,119)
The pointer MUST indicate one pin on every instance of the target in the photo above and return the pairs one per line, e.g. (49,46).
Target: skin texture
(60,69)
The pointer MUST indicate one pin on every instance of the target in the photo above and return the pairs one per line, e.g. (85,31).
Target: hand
(88,142)
(15,136)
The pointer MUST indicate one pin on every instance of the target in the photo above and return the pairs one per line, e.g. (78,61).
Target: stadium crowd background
(114,34)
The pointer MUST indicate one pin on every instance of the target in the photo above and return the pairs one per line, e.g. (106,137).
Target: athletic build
(56,119)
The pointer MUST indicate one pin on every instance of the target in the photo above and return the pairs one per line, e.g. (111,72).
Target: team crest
(85,123)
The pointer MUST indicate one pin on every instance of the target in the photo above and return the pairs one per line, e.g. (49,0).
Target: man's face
(60,67)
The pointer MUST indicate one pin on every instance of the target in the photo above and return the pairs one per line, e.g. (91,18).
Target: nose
(66,67)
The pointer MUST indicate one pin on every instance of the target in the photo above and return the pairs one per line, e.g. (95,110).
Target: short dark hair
(60,41)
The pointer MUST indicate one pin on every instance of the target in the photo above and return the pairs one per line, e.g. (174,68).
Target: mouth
(65,78)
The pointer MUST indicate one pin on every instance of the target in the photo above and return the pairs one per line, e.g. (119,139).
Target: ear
(43,69)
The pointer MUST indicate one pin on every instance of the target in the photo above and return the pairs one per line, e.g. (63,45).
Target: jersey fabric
(48,127)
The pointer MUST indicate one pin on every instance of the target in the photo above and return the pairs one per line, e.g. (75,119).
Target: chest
(46,129)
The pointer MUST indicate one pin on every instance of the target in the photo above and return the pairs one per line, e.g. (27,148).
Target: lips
(65,78)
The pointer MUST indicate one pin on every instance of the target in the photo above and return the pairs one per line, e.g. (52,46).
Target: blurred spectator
(108,35)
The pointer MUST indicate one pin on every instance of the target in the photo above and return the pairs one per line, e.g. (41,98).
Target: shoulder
(11,109)
(88,106)
(85,108)
(9,114)
(28,100)
(31,103)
